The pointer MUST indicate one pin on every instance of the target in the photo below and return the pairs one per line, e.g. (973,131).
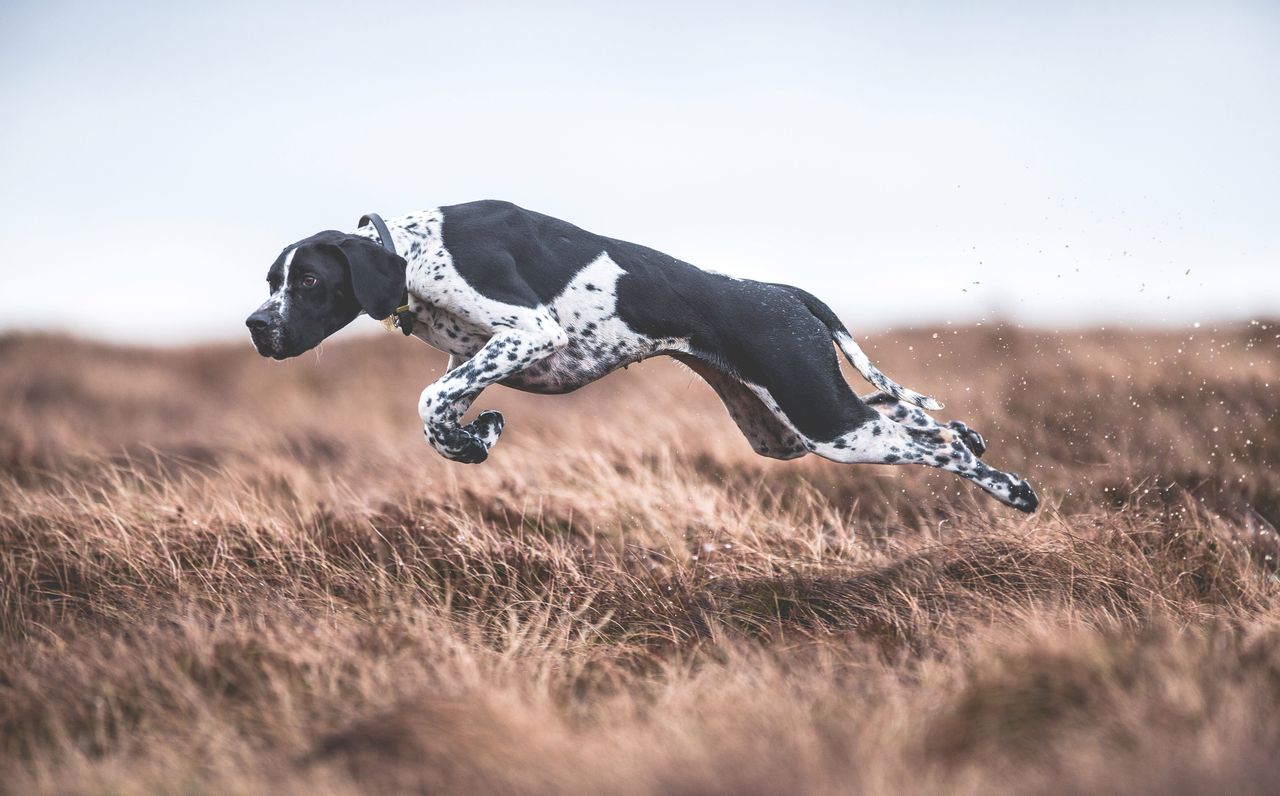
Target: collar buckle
(401,319)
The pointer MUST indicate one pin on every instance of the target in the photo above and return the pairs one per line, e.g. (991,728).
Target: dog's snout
(258,321)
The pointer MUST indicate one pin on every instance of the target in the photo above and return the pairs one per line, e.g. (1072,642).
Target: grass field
(221,575)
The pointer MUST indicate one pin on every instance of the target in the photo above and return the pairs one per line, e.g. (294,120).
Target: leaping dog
(528,301)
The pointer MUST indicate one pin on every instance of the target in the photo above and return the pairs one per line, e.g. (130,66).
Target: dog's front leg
(508,351)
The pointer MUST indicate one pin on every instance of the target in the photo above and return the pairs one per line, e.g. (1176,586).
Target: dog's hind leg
(786,359)
(884,441)
(795,374)
(873,438)
(909,415)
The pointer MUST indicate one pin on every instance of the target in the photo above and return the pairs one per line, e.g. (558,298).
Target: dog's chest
(445,331)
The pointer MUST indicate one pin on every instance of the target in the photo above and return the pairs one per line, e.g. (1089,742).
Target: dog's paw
(457,444)
(971,439)
(1021,496)
(469,444)
(487,427)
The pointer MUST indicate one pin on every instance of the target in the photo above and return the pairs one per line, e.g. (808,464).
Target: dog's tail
(857,357)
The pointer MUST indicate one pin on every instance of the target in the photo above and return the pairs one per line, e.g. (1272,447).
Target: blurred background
(1056,165)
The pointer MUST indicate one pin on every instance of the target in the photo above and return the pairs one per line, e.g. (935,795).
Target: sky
(1056,165)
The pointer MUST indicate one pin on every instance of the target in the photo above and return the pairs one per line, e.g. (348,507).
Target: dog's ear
(377,275)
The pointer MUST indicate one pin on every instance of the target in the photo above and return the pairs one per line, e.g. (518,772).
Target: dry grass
(222,575)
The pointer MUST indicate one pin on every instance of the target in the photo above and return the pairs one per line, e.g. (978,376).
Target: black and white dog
(531,302)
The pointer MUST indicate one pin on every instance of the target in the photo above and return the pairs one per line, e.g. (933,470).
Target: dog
(527,301)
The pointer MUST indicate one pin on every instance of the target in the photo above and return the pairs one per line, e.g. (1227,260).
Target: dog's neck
(418,238)
(414,235)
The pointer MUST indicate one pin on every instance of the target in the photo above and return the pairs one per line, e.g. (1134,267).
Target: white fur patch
(282,295)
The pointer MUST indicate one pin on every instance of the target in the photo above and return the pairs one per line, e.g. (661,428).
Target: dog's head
(319,285)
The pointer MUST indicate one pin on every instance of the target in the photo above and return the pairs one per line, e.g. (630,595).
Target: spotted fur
(534,303)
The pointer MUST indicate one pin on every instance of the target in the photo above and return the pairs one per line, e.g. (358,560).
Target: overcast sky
(1056,164)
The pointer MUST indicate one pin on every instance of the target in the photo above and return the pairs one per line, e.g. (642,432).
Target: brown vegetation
(222,575)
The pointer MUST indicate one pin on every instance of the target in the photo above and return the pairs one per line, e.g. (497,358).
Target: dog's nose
(258,321)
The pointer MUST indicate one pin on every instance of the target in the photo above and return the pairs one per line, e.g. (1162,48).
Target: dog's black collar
(384,234)
(403,316)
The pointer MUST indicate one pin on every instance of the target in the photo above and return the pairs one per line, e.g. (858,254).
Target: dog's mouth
(270,342)
(278,344)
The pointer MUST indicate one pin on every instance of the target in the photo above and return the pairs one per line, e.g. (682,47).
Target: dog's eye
(308,281)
